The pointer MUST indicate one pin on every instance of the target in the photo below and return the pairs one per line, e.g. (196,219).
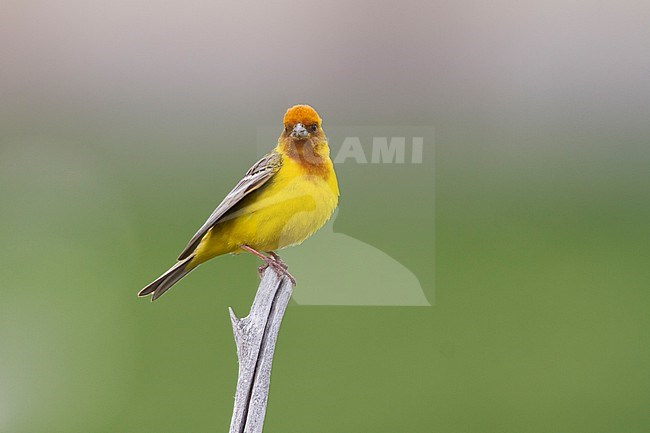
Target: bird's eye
(313,128)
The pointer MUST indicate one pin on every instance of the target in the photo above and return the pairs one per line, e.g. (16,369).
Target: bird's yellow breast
(290,207)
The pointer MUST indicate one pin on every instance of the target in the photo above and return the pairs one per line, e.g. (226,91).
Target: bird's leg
(274,262)
(277,259)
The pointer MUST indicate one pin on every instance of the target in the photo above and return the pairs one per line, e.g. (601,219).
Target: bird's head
(303,135)
(301,122)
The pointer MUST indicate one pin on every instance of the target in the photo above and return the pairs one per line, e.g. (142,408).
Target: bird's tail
(168,279)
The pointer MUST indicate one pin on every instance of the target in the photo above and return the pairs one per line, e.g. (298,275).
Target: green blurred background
(123,123)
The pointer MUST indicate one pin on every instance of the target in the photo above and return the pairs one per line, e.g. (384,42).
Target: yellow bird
(282,200)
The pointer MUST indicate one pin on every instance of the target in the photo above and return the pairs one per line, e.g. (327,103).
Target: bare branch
(255,338)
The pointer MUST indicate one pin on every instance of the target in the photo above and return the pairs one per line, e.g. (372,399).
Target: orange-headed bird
(282,200)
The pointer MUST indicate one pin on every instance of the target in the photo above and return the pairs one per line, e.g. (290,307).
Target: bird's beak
(299,131)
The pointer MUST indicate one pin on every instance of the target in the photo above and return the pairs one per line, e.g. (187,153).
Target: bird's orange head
(303,114)
(303,137)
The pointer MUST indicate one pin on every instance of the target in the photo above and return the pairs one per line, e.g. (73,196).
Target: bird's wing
(255,177)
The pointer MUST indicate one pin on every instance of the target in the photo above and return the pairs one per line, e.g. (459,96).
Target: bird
(283,199)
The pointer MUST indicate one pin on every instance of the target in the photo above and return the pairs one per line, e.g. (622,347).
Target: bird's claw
(278,260)
(276,263)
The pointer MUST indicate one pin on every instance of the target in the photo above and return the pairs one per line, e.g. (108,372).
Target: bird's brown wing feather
(255,177)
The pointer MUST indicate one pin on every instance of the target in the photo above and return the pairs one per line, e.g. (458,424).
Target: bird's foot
(274,262)
(278,259)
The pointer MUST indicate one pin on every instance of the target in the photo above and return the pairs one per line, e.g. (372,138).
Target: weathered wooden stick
(255,337)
